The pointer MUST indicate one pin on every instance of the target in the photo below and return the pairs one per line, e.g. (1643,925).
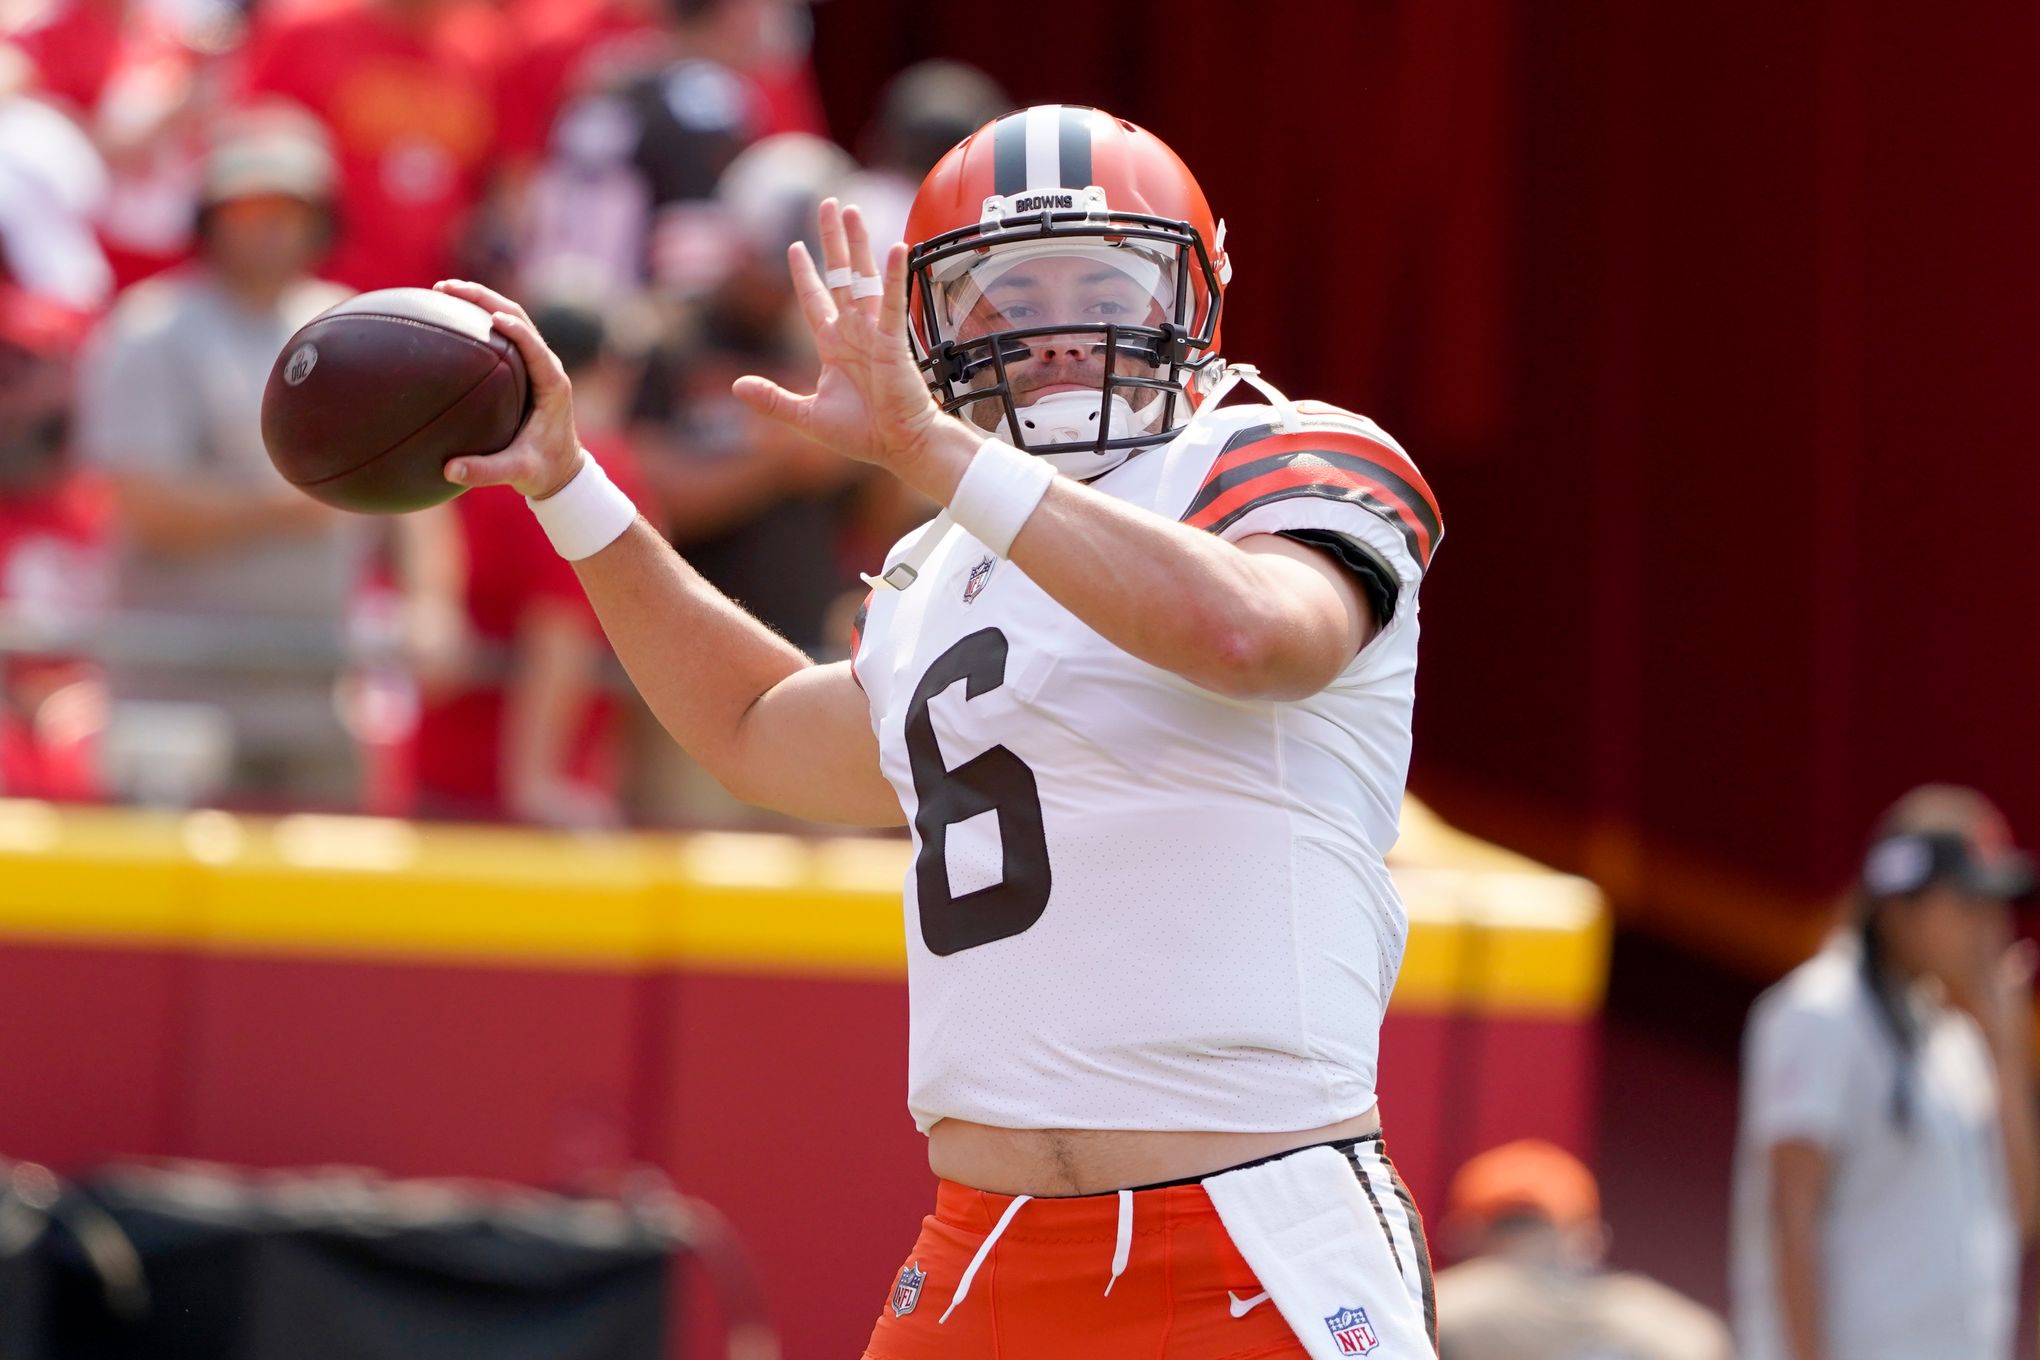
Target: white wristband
(998,492)
(586,515)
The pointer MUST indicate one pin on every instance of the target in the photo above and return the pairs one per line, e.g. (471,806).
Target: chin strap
(1232,375)
(906,568)
(1169,498)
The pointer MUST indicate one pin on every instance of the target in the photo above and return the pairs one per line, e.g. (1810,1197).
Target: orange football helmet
(1065,283)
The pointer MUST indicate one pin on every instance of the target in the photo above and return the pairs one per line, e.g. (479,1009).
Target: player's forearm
(700,661)
(1175,597)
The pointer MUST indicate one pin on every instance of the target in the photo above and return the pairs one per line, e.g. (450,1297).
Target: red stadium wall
(1708,323)
(552,1011)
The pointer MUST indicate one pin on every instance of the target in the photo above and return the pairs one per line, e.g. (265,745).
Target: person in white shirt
(1886,1168)
(213,546)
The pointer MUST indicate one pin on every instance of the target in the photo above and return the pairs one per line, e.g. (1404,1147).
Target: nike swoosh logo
(1241,1307)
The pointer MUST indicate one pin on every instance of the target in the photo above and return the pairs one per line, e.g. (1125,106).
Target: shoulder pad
(1336,455)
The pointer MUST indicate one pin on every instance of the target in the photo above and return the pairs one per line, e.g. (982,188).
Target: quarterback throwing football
(1143,692)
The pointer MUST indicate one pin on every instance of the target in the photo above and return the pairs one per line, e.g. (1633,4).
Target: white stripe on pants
(1328,1255)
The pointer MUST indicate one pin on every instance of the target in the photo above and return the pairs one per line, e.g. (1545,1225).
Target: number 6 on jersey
(994,780)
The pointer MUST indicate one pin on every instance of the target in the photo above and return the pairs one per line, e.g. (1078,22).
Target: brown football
(370,398)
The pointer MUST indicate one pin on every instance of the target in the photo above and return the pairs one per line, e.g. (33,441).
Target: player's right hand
(546,453)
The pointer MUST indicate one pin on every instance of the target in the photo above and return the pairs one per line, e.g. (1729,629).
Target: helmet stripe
(1044,147)
(1076,148)
(1009,155)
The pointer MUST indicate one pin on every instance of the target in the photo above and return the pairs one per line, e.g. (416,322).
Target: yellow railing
(1489,930)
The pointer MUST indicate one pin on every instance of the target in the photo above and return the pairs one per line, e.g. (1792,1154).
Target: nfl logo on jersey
(1350,1328)
(979,575)
(906,1293)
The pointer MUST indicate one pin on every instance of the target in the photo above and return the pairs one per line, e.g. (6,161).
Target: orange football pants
(1185,1292)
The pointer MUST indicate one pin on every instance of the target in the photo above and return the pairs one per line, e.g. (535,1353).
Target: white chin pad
(1072,418)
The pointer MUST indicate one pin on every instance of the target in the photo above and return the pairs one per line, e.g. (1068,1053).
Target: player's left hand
(870,402)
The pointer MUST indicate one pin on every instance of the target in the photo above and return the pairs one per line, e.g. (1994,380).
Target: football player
(1142,691)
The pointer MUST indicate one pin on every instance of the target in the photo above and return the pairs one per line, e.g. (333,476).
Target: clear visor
(1030,286)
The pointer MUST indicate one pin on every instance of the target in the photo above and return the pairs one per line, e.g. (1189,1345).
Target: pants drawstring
(1122,1249)
(970,1272)
(1124,1246)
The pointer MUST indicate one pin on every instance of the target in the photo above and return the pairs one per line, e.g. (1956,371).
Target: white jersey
(1919,1246)
(1137,904)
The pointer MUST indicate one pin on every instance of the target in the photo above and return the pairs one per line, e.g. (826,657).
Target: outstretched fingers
(864,276)
(892,311)
(768,398)
(815,303)
(833,221)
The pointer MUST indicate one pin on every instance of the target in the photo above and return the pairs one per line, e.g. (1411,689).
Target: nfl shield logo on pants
(1350,1328)
(906,1292)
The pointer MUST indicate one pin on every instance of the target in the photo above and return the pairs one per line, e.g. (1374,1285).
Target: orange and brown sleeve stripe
(1259,467)
(857,632)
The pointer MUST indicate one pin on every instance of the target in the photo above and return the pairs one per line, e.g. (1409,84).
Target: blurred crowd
(183,183)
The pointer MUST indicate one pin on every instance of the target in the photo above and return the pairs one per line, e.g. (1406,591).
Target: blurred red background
(1709,324)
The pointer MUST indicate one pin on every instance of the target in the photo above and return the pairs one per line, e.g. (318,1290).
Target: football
(370,398)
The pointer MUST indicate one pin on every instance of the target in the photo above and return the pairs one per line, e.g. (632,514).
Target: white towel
(1321,1251)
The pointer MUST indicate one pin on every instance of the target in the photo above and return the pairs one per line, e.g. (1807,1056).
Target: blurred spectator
(406,88)
(570,50)
(1887,1162)
(578,47)
(53,569)
(1531,1286)
(756,509)
(127,74)
(209,534)
(52,187)
(780,33)
(527,730)
(142,78)
(625,194)
(169,84)
(925,110)
(73,45)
